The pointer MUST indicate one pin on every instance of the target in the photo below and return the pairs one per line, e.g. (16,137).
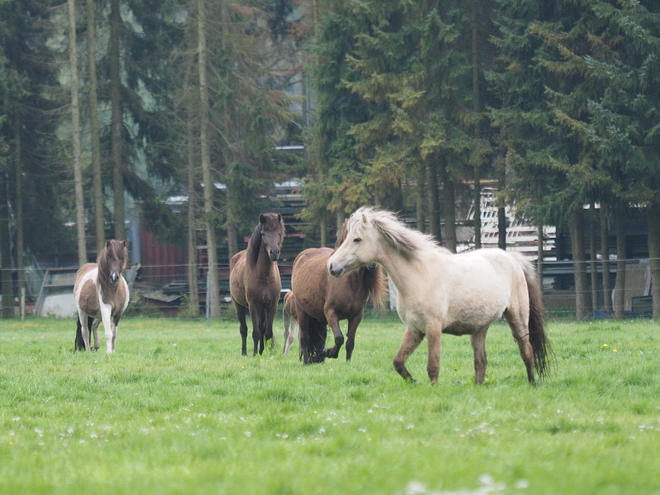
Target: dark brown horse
(325,300)
(254,280)
(101,295)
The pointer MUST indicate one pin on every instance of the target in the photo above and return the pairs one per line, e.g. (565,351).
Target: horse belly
(88,300)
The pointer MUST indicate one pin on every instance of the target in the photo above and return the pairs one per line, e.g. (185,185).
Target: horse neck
(405,273)
(262,261)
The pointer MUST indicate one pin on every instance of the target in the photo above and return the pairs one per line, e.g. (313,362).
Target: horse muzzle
(336,271)
(274,254)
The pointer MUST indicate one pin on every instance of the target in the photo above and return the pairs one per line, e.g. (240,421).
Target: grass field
(177,409)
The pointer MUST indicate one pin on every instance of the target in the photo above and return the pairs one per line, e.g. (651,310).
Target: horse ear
(262,219)
(364,218)
(107,244)
(123,243)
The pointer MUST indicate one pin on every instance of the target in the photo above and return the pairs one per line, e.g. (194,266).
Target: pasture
(178,410)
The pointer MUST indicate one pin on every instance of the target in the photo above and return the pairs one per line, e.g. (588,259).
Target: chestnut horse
(323,300)
(101,295)
(441,292)
(254,280)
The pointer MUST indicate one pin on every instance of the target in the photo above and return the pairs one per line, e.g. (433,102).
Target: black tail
(537,335)
(80,343)
(312,338)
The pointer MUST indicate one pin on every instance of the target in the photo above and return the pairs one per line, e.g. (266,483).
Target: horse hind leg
(520,331)
(289,330)
(82,332)
(478,341)
(79,344)
(94,323)
(241,315)
(350,334)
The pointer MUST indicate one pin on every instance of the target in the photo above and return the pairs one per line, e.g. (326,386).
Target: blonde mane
(404,240)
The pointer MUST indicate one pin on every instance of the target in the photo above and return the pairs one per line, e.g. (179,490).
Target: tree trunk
(95,133)
(539,253)
(653,222)
(621,256)
(434,203)
(193,280)
(76,133)
(5,252)
(449,211)
(576,226)
(419,196)
(476,98)
(20,243)
(213,295)
(605,255)
(501,213)
(115,104)
(593,239)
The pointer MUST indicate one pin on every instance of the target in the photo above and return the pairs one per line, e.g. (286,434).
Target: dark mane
(114,250)
(374,280)
(254,246)
(268,222)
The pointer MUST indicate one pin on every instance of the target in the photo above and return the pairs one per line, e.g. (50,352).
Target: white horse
(441,292)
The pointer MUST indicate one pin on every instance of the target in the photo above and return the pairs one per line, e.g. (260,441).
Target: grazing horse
(441,292)
(323,300)
(254,280)
(290,320)
(101,295)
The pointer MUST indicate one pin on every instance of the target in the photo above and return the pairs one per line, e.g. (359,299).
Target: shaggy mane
(404,240)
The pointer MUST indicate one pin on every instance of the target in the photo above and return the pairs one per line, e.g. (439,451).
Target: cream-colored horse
(441,292)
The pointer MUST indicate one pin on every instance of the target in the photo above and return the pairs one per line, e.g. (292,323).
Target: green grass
(177,409)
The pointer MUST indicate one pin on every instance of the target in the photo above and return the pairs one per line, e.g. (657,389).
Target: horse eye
(357,239)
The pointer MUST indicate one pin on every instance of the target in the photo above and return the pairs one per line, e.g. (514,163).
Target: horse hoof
(319,358)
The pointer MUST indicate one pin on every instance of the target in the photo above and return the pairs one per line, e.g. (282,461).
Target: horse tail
(537,335)
(312,334)
(374,279)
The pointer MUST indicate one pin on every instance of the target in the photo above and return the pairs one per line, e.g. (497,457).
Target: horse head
(272,234)
(357,244)
(113,259)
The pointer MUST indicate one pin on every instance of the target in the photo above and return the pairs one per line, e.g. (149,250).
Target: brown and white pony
(101,295)
(441,292)
(254,280)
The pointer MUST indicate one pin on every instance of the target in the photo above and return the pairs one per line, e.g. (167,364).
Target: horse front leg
(411,340)
(108,327)
(240,314)
(350,334)
(478,341)
(434,339)
(257,333)
(333,321)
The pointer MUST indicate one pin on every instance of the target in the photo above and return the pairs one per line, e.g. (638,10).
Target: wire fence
(558,282)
